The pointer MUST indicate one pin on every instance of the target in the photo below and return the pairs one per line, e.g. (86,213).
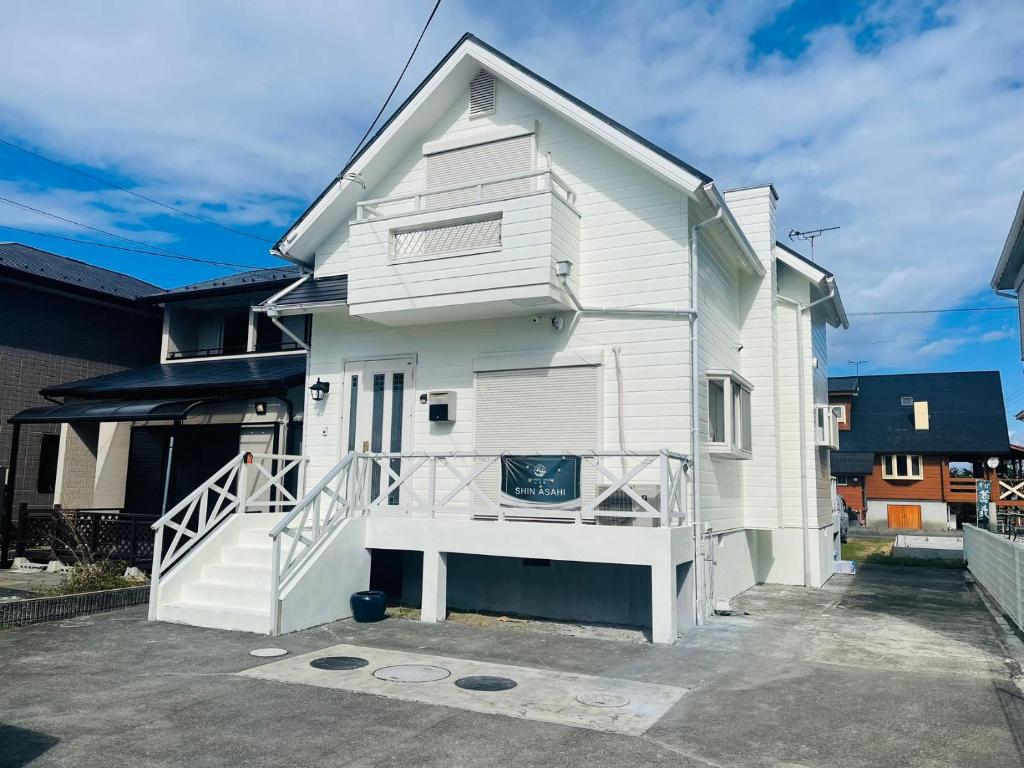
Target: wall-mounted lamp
(261,409)
(320,389)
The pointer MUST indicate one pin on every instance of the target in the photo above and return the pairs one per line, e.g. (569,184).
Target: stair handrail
(306,501)
(199,491)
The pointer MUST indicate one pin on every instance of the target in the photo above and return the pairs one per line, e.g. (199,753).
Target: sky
(899,122)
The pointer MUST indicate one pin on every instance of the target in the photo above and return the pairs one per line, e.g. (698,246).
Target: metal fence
(19,613)
(997,563)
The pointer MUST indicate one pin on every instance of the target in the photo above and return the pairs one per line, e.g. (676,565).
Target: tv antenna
(810,235)
(857,364)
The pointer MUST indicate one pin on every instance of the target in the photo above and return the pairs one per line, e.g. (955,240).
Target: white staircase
(231,590)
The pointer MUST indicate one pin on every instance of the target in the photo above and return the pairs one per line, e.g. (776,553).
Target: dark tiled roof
(322,291)
(228,377)
(40,265)
(253,279)
(842,384)
(852,462)
(965,414)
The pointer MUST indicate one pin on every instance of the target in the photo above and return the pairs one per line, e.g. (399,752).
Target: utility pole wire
(164,251)
(113,185)
(399,80)
(228,264)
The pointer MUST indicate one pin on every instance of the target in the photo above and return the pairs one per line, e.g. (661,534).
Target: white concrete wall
(111,464)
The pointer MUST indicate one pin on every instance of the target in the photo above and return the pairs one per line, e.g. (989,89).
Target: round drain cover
(486,683)
(338,663)
(411,673)
(602,700)
(267,653)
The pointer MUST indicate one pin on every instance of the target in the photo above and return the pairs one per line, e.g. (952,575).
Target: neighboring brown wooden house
(912,447)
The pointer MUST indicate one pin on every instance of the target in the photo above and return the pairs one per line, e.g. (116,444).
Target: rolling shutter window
(546,410)
(480,161)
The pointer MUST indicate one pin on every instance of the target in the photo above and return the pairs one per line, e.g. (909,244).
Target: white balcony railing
(484,190)
(463,485)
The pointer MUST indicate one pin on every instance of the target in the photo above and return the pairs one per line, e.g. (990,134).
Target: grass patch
(862,549)
(879,552)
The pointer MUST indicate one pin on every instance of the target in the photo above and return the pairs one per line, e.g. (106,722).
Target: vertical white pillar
(434,601)
(664,618)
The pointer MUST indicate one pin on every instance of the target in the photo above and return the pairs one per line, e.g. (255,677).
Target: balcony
(493,248)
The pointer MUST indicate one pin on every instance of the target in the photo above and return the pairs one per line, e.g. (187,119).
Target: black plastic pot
(369,605)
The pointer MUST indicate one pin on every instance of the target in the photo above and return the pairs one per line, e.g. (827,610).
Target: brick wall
(47,339)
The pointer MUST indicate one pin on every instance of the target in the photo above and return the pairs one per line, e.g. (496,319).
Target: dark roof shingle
(322,291)
(49,267)
(252,279)
(965,414)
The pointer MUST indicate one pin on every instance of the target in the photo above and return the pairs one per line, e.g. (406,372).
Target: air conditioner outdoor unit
(620,501)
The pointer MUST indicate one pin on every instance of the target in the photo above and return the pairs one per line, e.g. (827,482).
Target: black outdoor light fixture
(320,389)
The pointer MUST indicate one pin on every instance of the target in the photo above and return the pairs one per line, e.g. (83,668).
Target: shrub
(94,577)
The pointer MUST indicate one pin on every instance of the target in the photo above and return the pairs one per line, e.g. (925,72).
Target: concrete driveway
(892,667)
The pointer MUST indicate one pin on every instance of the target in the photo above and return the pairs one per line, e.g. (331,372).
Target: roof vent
(481,94)
(906,401)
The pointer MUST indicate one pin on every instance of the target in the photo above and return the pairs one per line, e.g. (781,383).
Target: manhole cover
(267,653)
(338,663)
(411,673)
(602,700)
(486,683)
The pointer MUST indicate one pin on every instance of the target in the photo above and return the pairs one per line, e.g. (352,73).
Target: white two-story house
(553,371)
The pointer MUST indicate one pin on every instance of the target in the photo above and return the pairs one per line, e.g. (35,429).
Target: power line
(109,183)
(164,251)
(931,311)
(229,264)
(398,81)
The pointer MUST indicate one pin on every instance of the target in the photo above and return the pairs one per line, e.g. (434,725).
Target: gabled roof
(427,103)
(1012,257)
(241,376)
(243,281)
(965,414)
(817,275)
(25,262)
(842,384)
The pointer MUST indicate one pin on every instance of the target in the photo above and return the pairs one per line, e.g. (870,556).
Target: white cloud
(911,144)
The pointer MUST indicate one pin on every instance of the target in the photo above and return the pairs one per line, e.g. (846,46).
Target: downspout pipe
(694,278)
(805,533)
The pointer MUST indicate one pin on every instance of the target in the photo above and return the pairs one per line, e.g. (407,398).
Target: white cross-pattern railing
(1011,490)
(464,485)
(483,190)
(249,482)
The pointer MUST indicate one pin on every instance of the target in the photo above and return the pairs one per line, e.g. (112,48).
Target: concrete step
(231,574)
(255,538)
(239,554)
(233,595)
(217,616)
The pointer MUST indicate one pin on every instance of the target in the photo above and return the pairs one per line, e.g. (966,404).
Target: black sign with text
(540,481)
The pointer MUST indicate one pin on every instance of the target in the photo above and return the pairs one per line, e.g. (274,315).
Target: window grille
(453,237)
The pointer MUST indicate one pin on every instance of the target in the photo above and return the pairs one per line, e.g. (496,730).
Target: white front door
(378,412)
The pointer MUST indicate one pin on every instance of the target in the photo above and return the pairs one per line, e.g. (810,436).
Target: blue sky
(899,122)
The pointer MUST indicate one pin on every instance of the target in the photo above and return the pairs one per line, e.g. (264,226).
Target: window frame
(736,430)
(890,466)
(840,411)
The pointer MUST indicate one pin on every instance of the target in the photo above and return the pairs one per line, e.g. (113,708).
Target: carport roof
(241,376)
(107,410)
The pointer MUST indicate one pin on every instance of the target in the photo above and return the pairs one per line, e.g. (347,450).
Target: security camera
(558,322)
